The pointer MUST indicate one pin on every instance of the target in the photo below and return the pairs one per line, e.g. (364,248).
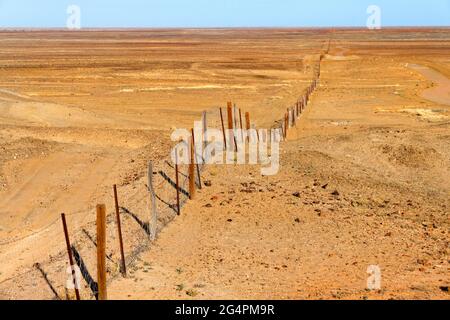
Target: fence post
(191,171)
(153,212)
(119,230)
(241,126)
(177,183)
(286,125)
(247,120)
(294,118)
(194,146)
(288,111)
(235,117)
(223,129)
(205,129)
(69,252)
(101,252)
(230,124)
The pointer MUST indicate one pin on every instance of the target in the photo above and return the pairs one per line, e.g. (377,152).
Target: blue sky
(223,13)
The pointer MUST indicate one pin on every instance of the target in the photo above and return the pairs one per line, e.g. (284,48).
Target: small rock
(207,183)
(230,220)
(297,220)
(325,186)
(296,194)
(444,288)
(421,261)
(335,193)
(208,205)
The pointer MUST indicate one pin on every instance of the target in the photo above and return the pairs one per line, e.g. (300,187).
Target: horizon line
(226,28)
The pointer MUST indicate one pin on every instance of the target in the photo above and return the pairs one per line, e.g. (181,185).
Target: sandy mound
(427,114)
(411,156)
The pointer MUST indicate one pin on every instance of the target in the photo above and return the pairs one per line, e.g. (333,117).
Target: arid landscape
(364,177)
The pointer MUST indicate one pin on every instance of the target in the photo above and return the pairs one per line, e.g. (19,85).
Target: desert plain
(364,177)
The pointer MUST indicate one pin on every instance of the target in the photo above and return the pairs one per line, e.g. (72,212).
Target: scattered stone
(297,220)
(325,186)
(335,193)
(230,220)
(421,261)
(296,194)
(208,205)
(191,293)
(207,183)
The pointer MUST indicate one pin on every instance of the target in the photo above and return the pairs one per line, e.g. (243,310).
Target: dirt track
(72,122)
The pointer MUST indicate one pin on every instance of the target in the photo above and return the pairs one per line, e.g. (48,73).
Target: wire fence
(144,212)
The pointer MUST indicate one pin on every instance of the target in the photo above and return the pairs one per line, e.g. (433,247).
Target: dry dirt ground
(364,177)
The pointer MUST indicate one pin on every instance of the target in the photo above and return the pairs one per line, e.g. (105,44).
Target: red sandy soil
(80,111)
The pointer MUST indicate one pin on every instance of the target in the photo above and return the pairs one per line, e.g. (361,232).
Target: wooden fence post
(69,252)
(230,124)
(257,131)
(194,146)
(286,125)
(119,231)
(191,171)
(247,125)
(247,121)
(204,130)
(101,252)
(288,111)
(235,117)
(241,126)
(153,211)
(177,183)
(294,118)
(223,129)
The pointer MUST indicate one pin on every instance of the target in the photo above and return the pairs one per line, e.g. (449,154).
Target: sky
(221,13)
